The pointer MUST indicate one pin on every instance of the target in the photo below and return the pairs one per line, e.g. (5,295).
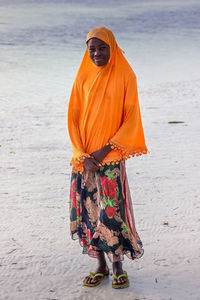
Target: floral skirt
(101,213)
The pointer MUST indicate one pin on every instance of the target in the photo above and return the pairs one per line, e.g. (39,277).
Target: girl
(105,129)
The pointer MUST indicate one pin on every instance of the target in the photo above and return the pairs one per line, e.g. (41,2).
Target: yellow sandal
(101,275)
(122,284)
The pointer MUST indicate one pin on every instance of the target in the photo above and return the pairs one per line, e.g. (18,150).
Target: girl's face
(99,51)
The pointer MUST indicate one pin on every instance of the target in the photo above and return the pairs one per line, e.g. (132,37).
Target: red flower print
(110,211)
(73,186)
(112,183)
(109,186)
(112,193)
(117,202)
(106,193)
(104,181)
(84,242)
(89,234)
(112,189)
(73,194)
(74,201)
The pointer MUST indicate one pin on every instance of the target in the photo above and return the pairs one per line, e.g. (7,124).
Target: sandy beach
(38,259)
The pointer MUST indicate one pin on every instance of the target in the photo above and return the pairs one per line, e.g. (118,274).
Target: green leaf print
(109,202)
(105,203)
(109,174)
(125,227)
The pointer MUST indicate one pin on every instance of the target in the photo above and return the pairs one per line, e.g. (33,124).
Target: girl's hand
(99,155)
(91,164)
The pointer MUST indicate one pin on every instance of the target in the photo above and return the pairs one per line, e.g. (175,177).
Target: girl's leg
(117,270)
(101,268)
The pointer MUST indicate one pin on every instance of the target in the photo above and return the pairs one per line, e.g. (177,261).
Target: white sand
(41,45)
(38,258)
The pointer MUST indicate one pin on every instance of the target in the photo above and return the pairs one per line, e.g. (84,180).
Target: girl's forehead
(96,42)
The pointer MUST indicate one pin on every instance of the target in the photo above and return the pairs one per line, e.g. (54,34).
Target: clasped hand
(93,163)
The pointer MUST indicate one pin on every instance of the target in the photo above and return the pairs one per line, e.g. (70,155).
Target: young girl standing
(105,129)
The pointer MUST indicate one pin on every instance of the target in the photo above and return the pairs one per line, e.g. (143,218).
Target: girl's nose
(97,52)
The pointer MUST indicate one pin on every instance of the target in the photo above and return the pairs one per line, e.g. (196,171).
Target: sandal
(99,280)
(122,284)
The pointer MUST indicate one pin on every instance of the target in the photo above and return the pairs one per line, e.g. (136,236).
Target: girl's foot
(101,268)
(117,270)
(89,279)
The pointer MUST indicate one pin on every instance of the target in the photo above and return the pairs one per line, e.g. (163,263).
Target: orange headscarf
(104,107)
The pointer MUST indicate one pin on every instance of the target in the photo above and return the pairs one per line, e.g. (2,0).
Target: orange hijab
(104,107)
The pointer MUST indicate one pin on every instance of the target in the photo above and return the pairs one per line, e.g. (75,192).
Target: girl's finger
(96,162)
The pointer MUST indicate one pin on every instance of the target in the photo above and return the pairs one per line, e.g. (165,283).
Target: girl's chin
(99,62)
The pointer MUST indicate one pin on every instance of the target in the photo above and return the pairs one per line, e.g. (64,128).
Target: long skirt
(101,213)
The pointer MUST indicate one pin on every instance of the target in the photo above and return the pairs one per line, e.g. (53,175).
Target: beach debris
(161,262)
(13,250)
(14,240)
(175,122)
(165,223)
(176,208)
